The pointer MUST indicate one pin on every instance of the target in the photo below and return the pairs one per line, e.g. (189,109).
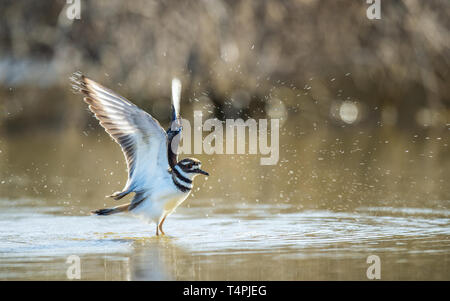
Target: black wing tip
(118,195)
(174,113)
(106,211)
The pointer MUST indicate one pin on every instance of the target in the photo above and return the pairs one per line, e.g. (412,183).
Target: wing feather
(176,96)
(175,129)
(141,137)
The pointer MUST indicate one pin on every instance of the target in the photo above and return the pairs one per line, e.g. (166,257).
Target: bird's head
(190,167)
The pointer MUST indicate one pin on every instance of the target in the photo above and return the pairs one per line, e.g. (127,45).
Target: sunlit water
(329,203)
(259,242)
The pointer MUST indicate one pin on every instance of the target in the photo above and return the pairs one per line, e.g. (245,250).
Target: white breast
(163,200)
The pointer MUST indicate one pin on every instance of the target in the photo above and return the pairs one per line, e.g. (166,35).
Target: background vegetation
(364,104)
(294,59)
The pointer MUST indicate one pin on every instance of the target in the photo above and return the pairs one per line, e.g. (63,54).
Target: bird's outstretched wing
(175,129)
(141,137)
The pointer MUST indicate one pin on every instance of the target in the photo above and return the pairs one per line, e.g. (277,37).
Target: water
(312,217)
(272,243)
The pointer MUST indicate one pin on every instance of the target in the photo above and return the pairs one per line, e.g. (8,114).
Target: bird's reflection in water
(158,258)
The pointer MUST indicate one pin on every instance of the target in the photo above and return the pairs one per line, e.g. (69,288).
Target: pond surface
(330,203)
(207,243)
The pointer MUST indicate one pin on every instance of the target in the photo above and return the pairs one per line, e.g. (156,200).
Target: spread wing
(141,137)
(174,131)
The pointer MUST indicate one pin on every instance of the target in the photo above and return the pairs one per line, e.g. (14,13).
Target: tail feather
(108,211)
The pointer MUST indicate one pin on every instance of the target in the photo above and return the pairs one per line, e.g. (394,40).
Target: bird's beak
(202,172)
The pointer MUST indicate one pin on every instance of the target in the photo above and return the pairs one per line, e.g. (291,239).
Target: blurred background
(363,104)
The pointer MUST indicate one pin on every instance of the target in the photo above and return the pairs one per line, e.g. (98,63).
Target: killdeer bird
(159,181)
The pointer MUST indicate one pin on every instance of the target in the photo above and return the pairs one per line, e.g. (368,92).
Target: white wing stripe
(176,93)
(107,100)
(106,93)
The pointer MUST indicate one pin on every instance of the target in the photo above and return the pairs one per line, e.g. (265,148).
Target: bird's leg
(161,223)
(157,231)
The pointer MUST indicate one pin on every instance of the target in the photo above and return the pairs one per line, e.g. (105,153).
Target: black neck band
(179,185)
(180,176)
